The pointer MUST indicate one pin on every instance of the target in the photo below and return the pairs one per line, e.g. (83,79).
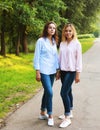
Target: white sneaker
(63,116)
(43,117)
(71,116)
(50,122)
(65,123)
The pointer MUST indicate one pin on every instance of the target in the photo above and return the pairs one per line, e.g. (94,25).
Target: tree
(90,12)
(82,13)
(5,7)
(22,19)
(28,17)
(51,10)
(23,16)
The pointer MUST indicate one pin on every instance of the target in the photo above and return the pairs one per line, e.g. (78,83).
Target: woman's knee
(50,93)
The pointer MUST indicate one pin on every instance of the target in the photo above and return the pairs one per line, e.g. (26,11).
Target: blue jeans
(67,79)
(47,82)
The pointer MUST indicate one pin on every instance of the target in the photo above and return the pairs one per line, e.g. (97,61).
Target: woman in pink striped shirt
(70,58)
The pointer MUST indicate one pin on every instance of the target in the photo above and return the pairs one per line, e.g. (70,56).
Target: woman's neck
(69,40)
(50,38)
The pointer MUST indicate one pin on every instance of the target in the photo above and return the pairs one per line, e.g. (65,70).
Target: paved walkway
(86,101)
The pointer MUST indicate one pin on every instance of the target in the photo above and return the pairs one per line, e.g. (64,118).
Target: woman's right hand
(58,75)
(77,78)
(38,76)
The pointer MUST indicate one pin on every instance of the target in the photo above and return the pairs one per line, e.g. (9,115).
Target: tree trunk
(17,46)
(3,48)
(18,42)
(24,40)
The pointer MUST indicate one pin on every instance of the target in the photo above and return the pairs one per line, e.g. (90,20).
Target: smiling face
(51,29)
(69,33)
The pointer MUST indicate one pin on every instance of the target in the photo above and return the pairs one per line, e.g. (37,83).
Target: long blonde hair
(74,31)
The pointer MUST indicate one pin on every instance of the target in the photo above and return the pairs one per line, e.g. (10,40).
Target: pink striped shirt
(70,56)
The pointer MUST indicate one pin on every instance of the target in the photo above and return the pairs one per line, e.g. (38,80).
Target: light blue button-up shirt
(46,56)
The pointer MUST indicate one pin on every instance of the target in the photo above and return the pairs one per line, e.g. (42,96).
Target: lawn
(17,82)
(86,44)
(17,79)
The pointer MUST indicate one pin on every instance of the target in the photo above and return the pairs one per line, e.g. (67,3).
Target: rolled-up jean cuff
(49,113)
(43,109)
(67,114)
(71,108)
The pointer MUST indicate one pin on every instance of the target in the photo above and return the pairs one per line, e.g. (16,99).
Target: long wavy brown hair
(45,31)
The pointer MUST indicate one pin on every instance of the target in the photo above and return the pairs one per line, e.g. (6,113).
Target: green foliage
(83,13)
(5,5)
(27,17)
(96,27)
(97,33)
(48,11)
(23,13)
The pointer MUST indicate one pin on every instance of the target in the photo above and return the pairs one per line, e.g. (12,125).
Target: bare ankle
(50,116)
(42,113)
(67,117)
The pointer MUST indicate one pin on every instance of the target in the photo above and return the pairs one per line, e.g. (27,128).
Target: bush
(81,36)
(96,33)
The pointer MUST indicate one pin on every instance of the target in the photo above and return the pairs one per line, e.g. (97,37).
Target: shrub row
(81,36)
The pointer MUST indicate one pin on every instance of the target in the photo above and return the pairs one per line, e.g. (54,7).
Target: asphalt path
(86,101)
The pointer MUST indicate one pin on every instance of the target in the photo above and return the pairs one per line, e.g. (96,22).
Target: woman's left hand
(77,78)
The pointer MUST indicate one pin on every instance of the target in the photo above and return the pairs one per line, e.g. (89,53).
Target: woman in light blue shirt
(46,65)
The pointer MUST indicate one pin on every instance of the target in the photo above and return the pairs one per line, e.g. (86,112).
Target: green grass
(17,79)
(86,44)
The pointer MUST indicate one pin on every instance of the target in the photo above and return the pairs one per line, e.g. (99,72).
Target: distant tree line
(21,20)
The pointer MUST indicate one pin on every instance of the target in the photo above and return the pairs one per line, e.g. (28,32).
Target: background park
(21,23)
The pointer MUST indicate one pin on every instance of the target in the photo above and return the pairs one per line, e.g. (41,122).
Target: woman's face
(51,29)
(69,33)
